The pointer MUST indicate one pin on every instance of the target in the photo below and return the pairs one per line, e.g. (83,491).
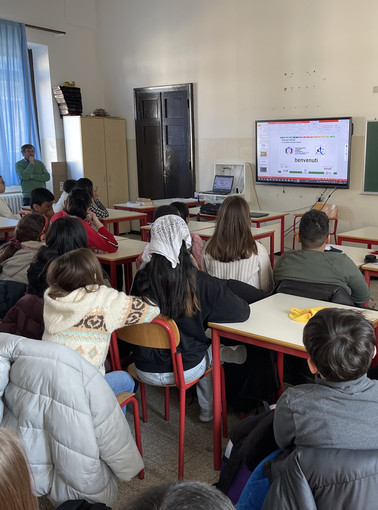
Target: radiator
(14,200)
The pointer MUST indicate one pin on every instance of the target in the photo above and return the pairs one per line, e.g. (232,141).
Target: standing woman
(232,251)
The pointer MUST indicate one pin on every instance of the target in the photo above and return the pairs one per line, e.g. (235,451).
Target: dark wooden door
(164,136)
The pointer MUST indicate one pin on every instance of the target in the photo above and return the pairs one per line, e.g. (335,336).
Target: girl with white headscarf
(188,296)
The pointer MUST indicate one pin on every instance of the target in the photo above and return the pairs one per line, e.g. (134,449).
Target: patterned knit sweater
(85,319)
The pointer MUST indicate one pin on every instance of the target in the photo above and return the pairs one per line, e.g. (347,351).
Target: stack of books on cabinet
(69,100)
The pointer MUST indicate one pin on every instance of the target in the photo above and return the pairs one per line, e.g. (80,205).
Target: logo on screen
(289,150)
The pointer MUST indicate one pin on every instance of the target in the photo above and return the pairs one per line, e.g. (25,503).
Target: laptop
(222,185)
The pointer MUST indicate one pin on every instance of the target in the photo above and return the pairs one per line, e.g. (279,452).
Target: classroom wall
(247,60)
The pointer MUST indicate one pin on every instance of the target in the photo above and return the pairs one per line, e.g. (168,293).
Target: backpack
(252,440)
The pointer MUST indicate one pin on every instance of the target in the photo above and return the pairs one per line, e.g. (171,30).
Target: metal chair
(163,333)
(330,210)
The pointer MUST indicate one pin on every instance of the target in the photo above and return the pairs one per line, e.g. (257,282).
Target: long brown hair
(73,270)
(232,238)
(29,228)
(15,475)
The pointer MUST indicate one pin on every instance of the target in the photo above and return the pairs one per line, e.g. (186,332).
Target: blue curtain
(17,116)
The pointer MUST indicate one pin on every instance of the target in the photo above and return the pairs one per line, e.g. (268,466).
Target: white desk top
(269,320)
(362,233)
(128,248)
(156,203)
(117,214)
(356,254)
(6,223)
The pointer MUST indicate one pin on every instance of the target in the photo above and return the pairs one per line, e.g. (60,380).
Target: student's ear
(35,208)
(328,239)
(375,352)
(298,238)
(312,366)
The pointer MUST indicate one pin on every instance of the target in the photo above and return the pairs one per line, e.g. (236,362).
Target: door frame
(172,88)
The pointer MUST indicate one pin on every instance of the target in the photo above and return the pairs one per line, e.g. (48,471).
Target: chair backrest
(161,333)
(324,292)
(330,209)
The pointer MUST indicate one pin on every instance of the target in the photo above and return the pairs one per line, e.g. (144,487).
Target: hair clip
(14,242)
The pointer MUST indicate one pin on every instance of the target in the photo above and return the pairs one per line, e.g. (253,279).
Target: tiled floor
(160,442)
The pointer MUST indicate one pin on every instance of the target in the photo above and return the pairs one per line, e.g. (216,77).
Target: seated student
(232,251)
(341,409)
(197,242)
(188,296)
(313,264)
(18,253)
(25,318)
(95,206)
(5,210)
(16,480)
(163,210)
(99,237)
(189,495)
(68,186)
(41,202)
(81,313)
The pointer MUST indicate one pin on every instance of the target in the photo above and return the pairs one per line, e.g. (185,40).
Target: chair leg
(166,403)
(224,403)
(143,399)
(181,435)
(138,437)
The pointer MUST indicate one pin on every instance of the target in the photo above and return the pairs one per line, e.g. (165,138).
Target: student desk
(271,216)
(7,226)
(150,209)
(128,251)
(258,233)
(365,235)
(116,217)
(194,226)
(357,255)
(268,326)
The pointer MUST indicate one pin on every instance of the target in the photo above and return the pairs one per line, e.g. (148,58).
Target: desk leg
(271,237)
(144,235)
(116,228)
(143,221)
(280,371)
(367,277)
(128,267)
(216,400)
(113,275)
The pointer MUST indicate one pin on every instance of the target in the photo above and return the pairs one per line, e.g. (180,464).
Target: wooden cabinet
(96,148)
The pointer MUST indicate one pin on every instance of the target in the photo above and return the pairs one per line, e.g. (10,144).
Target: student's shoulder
(297,394)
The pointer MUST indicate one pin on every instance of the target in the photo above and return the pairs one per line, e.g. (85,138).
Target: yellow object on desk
(304,314)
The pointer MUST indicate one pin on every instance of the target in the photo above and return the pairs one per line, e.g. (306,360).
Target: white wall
(247,59)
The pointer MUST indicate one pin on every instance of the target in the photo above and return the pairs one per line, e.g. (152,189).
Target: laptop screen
(223,183)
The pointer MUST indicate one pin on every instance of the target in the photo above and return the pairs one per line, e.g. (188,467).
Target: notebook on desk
(222,185)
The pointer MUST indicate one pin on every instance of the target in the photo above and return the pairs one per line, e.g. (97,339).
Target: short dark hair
(340,342)
(165,210)
(27,146)
(182,208)
(313,229)
(68,185)
(189,495)
(78,202)
(40,195)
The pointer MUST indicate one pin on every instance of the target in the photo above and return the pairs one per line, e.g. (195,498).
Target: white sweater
(84,321)
(255,271)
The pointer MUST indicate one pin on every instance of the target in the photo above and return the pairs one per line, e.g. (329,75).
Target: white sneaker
(206,416)
(233,354)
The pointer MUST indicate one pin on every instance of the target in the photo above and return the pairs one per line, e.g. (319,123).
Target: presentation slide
(303,151)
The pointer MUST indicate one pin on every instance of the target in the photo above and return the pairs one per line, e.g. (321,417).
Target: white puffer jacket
(75,434)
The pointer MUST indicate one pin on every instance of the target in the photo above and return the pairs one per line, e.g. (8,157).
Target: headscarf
(167,234)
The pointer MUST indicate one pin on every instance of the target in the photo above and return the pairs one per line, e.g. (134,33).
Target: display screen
(304,152)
